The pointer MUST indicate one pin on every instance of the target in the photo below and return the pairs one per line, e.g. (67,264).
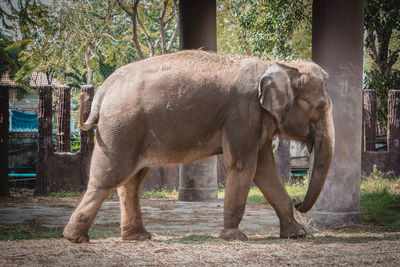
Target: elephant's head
(295,95)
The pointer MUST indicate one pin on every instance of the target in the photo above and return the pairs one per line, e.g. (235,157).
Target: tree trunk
(4,124)
(45,145)
(89,74)
(369,120)
(63,119)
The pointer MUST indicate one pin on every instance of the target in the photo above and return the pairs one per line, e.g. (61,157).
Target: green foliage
(229,38)
(75,142)
(381,83)
(22,26)
(382,28)
(75,77)
(8,56)
(268,26)
(164,193)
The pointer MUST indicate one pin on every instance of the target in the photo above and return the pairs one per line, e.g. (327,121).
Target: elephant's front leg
(240,174)
(270,183)
(131,216)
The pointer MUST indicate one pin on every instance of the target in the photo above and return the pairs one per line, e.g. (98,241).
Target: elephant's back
(178,82)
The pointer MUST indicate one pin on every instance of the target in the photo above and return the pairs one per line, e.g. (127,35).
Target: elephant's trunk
(324,142)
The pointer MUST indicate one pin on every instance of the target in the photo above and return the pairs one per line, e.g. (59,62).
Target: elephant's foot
(293,230)
(140,235)
(75,235)
(232,234)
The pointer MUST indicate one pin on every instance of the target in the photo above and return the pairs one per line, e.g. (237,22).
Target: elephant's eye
(322,107)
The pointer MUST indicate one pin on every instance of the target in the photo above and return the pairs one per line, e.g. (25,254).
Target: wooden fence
(388,160)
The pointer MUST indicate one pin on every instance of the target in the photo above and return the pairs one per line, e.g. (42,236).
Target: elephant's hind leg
(131,217)
(82,219)
(106,174)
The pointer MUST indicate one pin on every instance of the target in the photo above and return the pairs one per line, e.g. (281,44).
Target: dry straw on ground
(164,251)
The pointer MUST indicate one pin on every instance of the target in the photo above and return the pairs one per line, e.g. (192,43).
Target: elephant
(181,107)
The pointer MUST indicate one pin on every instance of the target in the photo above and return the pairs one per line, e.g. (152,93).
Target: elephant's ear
(275,91)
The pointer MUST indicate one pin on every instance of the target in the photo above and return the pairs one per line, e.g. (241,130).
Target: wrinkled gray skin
(178,108)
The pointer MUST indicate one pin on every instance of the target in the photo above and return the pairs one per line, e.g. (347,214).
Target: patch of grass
(296,192)
(194,239)
(99,231)
(24,231)
(164,193)
(380,201)
(18,232)
(66,193)
(256,196)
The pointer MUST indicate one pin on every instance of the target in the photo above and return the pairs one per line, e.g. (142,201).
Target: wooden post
(4,124)
(87,137)
(63,119)
(369,120)
(45,145)
(282,158)
(393,136)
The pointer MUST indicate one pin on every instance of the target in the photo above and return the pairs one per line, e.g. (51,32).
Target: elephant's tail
(94,113)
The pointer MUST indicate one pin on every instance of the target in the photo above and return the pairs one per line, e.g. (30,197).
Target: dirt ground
(186,233)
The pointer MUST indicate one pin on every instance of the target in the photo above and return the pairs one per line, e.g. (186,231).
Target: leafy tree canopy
(382,44)
(267,27)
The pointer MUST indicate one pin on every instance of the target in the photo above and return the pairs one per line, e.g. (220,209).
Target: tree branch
(104,26)
(393,56)
(148,39)
(162,30)
(124,8)
(370,45)
(133,15)
(176,30)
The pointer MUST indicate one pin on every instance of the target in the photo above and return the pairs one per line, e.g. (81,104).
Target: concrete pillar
(369,120)
(197,24)
(87,137)
(197,19)
(45,144)
(4,124)
(63,119)
(337,45)
(197,181)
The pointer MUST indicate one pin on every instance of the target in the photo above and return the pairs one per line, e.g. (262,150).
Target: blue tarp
(23,122)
